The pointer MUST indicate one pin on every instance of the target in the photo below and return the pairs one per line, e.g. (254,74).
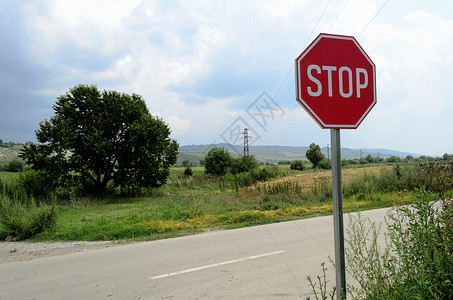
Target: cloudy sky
(212,68)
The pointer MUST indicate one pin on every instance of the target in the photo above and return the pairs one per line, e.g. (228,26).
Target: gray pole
(328,151)
(340,265)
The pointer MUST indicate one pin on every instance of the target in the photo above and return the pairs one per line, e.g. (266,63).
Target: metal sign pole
(337,196)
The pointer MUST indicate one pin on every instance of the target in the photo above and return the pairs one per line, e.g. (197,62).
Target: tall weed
(437,177)
(254,175)
(23,213)
(319,192)
(416,257)
(422,240)
(20,220)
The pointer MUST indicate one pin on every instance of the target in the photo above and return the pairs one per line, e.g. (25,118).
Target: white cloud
(177,125)
(202,63)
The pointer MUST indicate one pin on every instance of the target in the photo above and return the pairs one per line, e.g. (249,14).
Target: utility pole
(328,151)
(360,153)
(246,141)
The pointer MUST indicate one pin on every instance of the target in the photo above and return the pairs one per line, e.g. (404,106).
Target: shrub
(186,163)
(33,184)
(437,177)
(297,165)
(15,166)
(255,175)
(422,239)
(417,258)
(188,172)
(19,221)
(325,164)
(370,159)
(393,159)
(243,164)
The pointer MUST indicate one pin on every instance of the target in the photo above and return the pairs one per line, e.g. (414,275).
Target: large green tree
(314,154)
(218,161)
(96,137)
(243,163)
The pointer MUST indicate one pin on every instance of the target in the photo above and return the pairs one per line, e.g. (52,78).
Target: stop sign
(336,81)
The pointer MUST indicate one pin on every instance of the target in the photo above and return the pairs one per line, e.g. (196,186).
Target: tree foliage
(297,165)
(325,164)
(186,163)
(218,161)
(188,172)
(243,164)
(447,156)
(95,137)
(15,166)
(314,154)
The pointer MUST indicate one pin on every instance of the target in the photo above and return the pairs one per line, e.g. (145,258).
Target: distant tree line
(318,160)
(15,165)
(240,171)
(9,144)
(219,161)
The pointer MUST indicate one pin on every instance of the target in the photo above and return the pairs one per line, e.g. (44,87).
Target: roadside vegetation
(230,192)
(192,203)
(103,169)
(415,261)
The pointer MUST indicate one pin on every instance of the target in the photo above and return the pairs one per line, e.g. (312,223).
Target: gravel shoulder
(26,251)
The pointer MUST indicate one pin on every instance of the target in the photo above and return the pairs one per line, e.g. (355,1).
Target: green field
(196,204)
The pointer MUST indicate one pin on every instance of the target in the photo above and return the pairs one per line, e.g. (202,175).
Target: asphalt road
(262,262)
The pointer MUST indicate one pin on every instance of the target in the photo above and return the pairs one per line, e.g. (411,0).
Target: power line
(335,21)
(283,82)
(373,18)
(325,8)
(341,11)
(308,39)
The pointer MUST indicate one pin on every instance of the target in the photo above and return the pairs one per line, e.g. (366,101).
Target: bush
(325,164)
(416,261)
(393,159)
(15,166)
(437,177)
(19,221)
(186,163)
(297,165)
(33,184)
(243,164)
(347,162)
(255,175)
(188,172)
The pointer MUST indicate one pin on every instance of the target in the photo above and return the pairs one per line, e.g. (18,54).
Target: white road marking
(217,265)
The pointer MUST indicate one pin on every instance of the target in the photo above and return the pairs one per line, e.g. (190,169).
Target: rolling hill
(7,154)
(274,154)
(270,154)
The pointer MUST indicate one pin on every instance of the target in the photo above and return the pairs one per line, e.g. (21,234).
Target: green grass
(190,205)
(413,261)
(186,212)
(8,175)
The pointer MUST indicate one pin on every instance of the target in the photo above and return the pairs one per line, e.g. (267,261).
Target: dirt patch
(25,251)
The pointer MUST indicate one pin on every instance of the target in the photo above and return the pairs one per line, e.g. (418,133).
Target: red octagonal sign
(336,81)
